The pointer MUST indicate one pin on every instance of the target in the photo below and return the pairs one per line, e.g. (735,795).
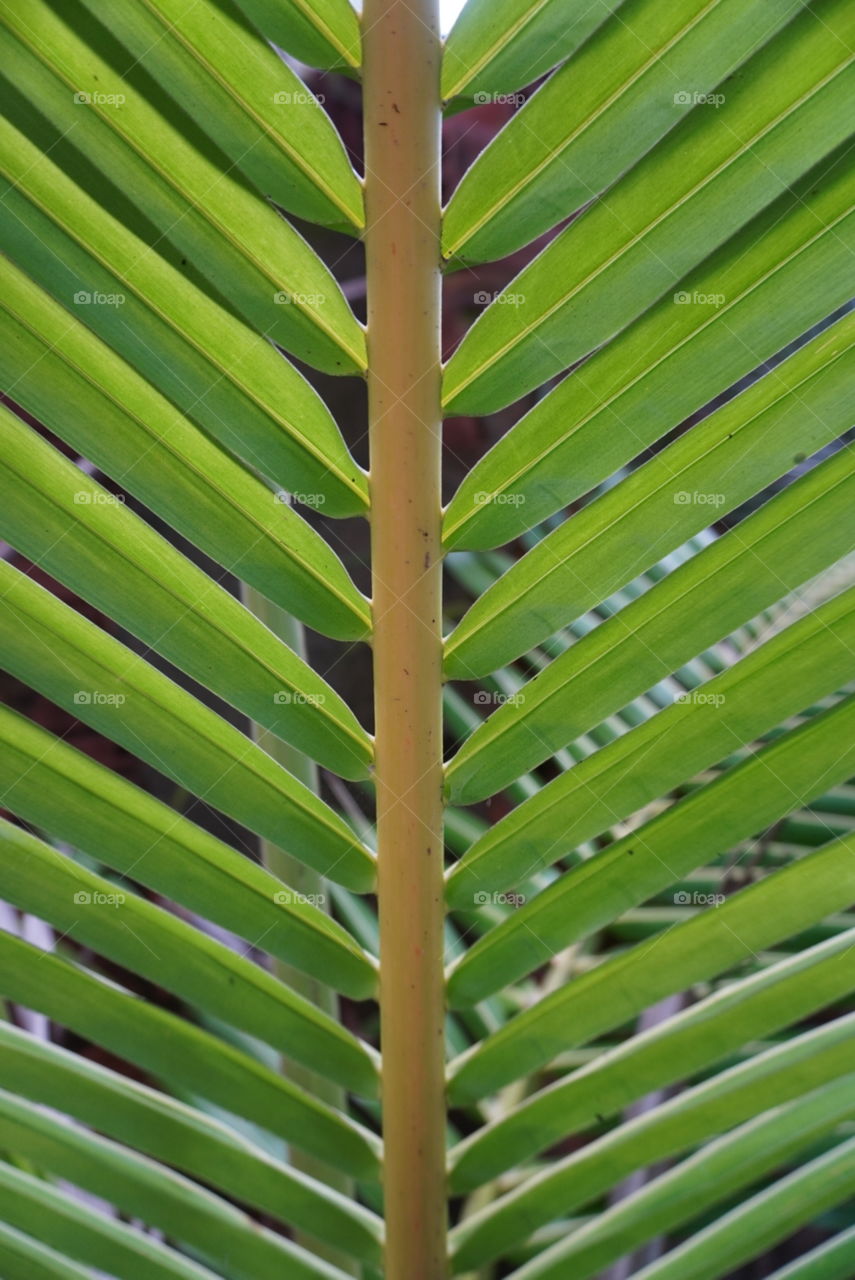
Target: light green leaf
(66,523)
(741,802)
(321,33)
(784,112)
(598,115)
(777,278)
(68,795)
(682,1046)
(769,1078)
(178,1135)
(708,944)
(712,1175)
(250,102)
(790,539)
(66,657)
(210,365)
(832,1260)
(499,45)
(795,410)
(224,1235)
(754,1226)
(638,767)
(147,940)
(35,1206)
(62,374)
(27,1259)
(181,1055)
(247,253)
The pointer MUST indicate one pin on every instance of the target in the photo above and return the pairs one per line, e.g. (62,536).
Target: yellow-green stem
(401,50)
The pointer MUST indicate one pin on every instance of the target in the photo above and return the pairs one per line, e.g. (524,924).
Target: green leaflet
(771,283)
(682,1046)
(153,282)
(599,114)
(784,112)
(66,657)
(638,767)
(714,1174)
(769,1079)
(794,536)
(62,374)
(180,1054)
(147,940)
(214,368)
(794,411)
(183,1137)
(249,101)
(62,520)
(499,45)
(322,33)
(42,1210)
(27,1259)
(249,254)
(143,1189)
(711,943)
(744,800)
(68,795)
(833,1260)
(772,1215)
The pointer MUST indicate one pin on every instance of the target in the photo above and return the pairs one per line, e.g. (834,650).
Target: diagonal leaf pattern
(658,224)
(251,1027)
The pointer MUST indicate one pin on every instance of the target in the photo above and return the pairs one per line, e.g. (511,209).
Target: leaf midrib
(281,141)
(314,19)
(492,51)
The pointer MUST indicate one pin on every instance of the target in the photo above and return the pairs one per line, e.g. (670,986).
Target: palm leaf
(246,1033)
